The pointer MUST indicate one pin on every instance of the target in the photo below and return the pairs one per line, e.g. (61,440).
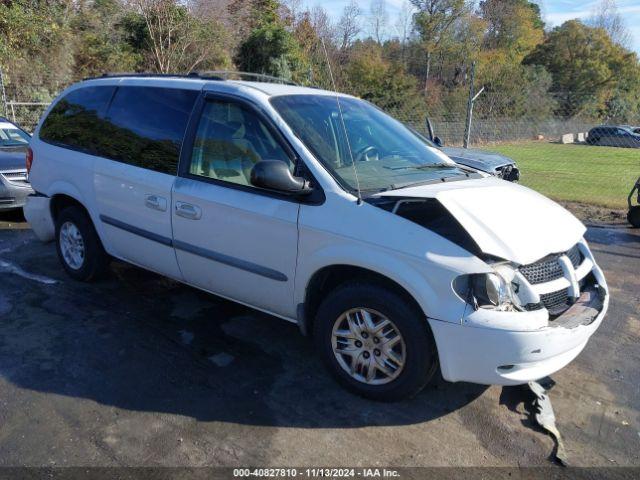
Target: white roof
(267,88)
(274,89)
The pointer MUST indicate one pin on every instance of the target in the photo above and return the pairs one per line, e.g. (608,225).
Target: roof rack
(151,74)
(226,74)
(205,75)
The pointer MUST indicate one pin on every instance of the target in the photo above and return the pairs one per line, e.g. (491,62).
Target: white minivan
(321,209)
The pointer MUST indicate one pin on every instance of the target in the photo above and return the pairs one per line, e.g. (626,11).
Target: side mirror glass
(275,175)
(437,141)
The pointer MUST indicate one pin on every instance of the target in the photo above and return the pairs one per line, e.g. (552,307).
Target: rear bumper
(13,196)
(37,211)
(493,356)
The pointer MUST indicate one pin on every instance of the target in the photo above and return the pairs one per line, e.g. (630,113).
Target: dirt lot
(138,370)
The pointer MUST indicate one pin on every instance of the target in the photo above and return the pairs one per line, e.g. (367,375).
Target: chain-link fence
(563,147)
(24,99)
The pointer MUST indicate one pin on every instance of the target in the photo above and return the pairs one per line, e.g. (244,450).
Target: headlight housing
(489,289)
(494,291)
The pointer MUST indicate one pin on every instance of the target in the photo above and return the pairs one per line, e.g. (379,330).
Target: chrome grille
(15,177)
(549,268)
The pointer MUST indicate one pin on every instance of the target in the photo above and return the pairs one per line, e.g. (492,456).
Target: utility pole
(3,93)
(467,126)
(472,99)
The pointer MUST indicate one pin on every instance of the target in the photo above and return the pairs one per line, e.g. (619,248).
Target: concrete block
(581,137)
(567,138)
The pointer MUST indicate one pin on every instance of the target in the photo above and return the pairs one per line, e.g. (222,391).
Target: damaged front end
(536,296)
(561,289)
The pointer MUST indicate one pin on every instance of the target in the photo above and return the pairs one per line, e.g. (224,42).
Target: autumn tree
(585,64)
(270,48)
(512,25)
(433,19)
(101,39)
(384,83)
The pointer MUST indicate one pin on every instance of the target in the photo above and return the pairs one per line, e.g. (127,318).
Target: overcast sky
(555,12)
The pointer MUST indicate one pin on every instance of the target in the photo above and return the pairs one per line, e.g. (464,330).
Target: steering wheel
(367,154)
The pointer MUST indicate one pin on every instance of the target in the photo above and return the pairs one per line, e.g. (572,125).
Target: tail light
(29,159)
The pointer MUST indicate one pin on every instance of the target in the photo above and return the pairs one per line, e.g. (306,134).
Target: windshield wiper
(426,166)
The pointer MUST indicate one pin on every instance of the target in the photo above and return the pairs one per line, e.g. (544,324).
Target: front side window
(146,125)
(386,154)
(229,141)
(76,119)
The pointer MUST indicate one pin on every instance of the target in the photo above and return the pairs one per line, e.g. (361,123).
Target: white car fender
(401,269)
(60,187)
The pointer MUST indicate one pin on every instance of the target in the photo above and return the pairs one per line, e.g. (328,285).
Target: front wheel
(375,342)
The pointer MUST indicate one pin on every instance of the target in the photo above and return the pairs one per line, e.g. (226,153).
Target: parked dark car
(14,186)
(633,128)
(614,136)
(488,162)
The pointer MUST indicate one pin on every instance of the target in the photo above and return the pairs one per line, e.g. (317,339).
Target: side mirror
(275,175)
(430,129)
(437,141)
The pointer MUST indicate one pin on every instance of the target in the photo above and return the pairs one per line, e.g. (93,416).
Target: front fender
(428,284)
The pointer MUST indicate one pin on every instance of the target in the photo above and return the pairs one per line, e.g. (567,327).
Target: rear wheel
(375,342)
(79,248)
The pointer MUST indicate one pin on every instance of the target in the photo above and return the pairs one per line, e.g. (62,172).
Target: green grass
(580,173)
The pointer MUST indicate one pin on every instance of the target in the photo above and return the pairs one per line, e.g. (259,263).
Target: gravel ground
(137,370)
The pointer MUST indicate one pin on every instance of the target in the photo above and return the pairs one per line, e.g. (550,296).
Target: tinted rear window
(145,127)
(77,118)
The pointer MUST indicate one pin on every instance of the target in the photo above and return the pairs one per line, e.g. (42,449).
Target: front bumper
(13,195)
(494,356)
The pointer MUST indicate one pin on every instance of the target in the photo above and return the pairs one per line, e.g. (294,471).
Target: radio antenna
(344,127)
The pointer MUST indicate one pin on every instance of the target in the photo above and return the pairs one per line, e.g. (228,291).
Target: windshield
(387,154)
(11,136)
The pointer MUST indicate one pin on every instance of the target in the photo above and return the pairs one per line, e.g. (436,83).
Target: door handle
(188,210)
(155,202)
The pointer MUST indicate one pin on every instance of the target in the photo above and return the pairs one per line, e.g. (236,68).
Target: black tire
(96,261)
(633,216)
(421,359)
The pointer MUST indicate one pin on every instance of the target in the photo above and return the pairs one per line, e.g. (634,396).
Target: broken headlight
(494,291)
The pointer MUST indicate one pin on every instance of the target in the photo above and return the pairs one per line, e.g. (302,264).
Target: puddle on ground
(8,267)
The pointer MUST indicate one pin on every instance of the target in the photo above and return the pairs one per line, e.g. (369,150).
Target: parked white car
(335,217)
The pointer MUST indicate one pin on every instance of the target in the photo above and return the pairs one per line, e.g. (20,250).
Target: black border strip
(137,231)
(231,261)
(201,252)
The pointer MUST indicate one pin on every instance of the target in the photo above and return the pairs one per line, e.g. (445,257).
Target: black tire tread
(96,260)
(408,317)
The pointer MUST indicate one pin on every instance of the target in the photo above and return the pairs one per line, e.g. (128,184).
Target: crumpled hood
(12,158)
(480,159)
(504,219)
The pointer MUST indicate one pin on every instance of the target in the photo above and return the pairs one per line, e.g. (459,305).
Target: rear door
(140,147)
(231,238)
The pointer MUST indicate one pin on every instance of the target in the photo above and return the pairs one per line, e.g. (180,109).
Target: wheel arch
(60,201)
(329,277)
(63,195)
